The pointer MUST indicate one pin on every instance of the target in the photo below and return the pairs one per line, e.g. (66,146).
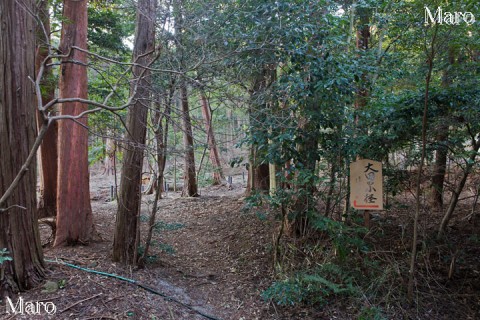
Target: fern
(286,292)
(311,288)
(161,225)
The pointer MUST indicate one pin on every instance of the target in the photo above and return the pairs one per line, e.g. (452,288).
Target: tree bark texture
(18,227)
(74,211)
(48,154)
(127,231)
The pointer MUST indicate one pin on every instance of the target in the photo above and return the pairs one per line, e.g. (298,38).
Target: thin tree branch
(26,165)
(48,120)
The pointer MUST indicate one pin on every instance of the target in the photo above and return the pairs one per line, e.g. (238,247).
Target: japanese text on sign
(366,185)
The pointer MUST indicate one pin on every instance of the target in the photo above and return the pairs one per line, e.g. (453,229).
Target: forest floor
(211,259)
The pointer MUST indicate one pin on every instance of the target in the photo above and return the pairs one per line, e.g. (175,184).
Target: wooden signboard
(366,185)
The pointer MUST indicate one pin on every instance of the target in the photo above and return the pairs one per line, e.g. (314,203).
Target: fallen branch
(78,302)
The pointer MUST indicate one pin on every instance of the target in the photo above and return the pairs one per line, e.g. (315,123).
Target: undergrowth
(332,263)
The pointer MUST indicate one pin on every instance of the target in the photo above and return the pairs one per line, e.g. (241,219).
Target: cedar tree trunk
(74,211)
(18,227)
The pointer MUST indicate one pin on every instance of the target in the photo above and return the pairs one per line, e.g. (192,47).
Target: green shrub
(311,288)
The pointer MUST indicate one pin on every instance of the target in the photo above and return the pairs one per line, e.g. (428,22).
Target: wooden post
(273,178)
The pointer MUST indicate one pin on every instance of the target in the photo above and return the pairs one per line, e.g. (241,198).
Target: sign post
(366,186)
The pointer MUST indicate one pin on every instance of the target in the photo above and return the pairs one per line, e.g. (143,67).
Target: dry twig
(80,301)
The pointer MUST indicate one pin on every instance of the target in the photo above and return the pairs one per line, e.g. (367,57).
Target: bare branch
(11,207)
(26,165)
(48,120)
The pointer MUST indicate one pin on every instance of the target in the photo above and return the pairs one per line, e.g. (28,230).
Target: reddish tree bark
(74,211)
(47,204)
(212,145)
(127,231)
(18,227)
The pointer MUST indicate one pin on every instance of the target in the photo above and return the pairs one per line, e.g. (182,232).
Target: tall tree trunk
(47,204)
(258,172)
(74,211)
(262,178)
(361,97)
(190,188)
(18,226)
(127,231)
(440,164)
(439,167)
(212,145)
(363,40)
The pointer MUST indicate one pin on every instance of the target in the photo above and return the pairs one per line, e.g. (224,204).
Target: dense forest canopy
(283,96)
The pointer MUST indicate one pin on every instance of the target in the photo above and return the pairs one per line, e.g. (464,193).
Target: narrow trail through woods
(207,257)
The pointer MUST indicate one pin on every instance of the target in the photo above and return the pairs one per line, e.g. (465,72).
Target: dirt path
(221,254)
(207,257)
